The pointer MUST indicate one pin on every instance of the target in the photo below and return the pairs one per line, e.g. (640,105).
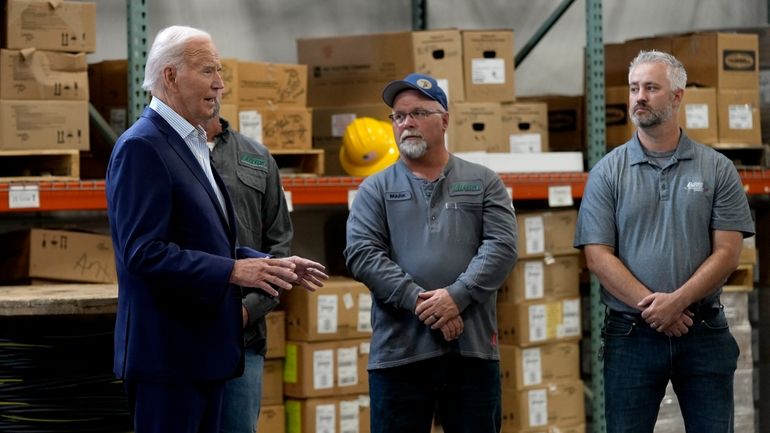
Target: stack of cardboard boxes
(325,379)
(538,315)
(474,68)
(264,101)
(271,415)
(721,104)
(44,86)
(268,102)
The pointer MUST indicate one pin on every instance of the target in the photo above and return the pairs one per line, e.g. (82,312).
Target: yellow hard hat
(368,146)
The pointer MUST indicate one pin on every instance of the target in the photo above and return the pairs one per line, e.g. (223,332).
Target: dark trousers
(163,408)
(466,392)
(639,362)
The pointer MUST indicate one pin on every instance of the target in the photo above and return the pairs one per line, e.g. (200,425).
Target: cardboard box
(738,116)
(341,309)
(37,74)
(271,84)
(763,35)
(619,127)
(560,403)
(57,255)
(488,65)
(108,92)
(272,382)
(474,126)
(616,63)
(525,127)
(230,69)
(229,112)
(548,233)
(721,60)
(549,321)
(272,419)
(542,278)
(329,125)
(331,414)
(277,127)
(353,70)
(566,121)
(67,26)
(634,46)
(326,368)
(44,125)
(698,114)
(527,368)
(275,328)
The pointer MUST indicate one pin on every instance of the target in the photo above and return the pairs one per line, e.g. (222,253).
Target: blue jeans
(241,405)
(639,362)
(466,392)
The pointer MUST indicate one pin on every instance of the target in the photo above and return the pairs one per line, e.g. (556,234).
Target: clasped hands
(663,313)
(282,273)
(437,309)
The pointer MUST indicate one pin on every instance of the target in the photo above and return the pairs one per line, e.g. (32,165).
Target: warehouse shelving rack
(310,191)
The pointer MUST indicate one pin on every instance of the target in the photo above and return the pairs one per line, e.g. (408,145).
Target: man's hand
(453,328)
(310,274)
(436,307)
(665,314)
(261,273)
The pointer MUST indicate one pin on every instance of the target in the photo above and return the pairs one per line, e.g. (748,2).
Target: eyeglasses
(418,115)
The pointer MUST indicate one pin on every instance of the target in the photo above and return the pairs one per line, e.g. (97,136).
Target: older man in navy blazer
(178,332)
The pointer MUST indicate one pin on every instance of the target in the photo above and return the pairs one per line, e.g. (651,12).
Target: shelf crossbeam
(329,190)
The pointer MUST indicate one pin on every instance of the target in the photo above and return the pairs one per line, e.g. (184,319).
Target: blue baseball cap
(423,83)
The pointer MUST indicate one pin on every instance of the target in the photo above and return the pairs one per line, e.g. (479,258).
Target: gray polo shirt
(401,242)
(659,219)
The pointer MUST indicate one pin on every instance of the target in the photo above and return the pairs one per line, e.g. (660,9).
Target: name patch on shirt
(465,188)
(253,161)
(398,195)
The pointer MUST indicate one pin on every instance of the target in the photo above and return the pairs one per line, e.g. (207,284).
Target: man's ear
(169,76)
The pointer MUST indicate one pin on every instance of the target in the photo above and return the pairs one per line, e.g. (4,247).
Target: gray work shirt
(400,243)
(264,224)
(659,220)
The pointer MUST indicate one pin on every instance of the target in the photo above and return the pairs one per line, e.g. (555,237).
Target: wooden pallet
(39,165)
(302,162)
(742,280)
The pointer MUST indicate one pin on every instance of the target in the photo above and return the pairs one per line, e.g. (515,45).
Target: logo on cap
(425,84)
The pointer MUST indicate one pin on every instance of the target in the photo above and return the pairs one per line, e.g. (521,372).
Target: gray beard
(654,119)
(413,150)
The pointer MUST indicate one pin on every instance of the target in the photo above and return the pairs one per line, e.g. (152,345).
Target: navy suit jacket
(179,319)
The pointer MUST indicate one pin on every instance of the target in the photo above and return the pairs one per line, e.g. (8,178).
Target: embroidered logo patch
(465,188)
(694,186)
(253,161)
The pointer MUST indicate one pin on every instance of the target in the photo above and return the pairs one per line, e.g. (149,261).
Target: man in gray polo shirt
(433,237)
(662,221)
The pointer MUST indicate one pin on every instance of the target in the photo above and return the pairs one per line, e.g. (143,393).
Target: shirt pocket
(254,179)
(464,221)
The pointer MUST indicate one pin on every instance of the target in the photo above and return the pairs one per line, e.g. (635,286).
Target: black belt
(699,313)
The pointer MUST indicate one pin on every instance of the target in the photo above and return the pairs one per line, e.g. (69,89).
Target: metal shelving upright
(596,145)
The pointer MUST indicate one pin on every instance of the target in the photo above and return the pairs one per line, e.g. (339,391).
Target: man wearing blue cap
(433,237)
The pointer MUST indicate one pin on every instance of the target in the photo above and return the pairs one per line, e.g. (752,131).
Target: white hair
(677,75)
(168,49)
